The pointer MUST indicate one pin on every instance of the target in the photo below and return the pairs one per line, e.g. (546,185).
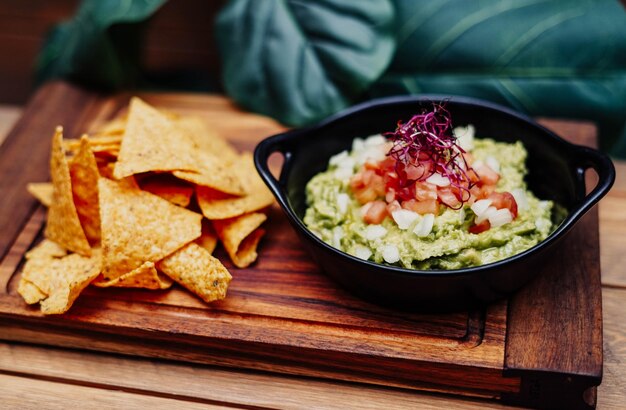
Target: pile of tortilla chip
(142,203)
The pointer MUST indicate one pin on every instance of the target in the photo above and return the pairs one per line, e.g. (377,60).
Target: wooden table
(33,376)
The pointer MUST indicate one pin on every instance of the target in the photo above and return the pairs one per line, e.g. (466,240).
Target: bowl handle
(262,153)
(585,158)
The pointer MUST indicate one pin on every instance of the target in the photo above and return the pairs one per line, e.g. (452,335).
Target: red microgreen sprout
(428,142)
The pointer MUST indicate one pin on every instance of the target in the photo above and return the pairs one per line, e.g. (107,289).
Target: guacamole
(439,240)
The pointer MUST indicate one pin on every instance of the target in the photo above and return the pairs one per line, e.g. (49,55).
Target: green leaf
(299,61)
(542,57)
(100,45)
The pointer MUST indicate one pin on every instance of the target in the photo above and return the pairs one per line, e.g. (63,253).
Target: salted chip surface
(216,205)
(98,143)
(214,172)
(207,139)
(38,271)
(84,174)
(46,249)
(145,276)
(168,187)
(208,239)
(42,191)
(139,227)
(63,224)
(30,292)
(197,270)
(241,236)
(152,142)
(68,277)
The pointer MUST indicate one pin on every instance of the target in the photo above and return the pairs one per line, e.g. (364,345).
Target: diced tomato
(391,181)
(365,195)
(473,176)
(387,165)
(375,213)
(406,193)
(487,190)
(502,200)
(425,191)
(481,227)
(430,206)
(371,165)
(367,186)
(469,158)
(487,175)
(368,175)
(447,197)
(417,172)
(356,181)
(393,206)
(481,191)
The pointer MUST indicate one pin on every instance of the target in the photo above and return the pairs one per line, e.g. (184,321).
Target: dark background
(180,36)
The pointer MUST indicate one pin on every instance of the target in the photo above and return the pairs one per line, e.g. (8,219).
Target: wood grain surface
(283,314)
(229,119)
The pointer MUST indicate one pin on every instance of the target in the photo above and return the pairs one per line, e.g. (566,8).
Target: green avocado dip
(409,236)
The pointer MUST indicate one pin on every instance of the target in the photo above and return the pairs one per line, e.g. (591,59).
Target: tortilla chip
(206,139)
(38,271)
(240,237)
(98,143)
(46,249)
(68,277)
(63,224)
(214,172)
(60,279)
(208,239)
(168,187)
(106,170)
(216,205)
(114,127)
(84,173)
(152,142)
(30,292)
(42,191)
(139,227)
(145,276)
(195,268)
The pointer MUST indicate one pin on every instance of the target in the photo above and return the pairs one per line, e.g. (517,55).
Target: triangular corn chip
(98,143)
(57,282)
(240,237)
(139,227)
(30,292)
(68,277)
(145,276)
(46,249)
(63,224)
(85,175)
(167,187)
(36,270)
(216,205)
(206,139)
(195,268)
(42,191)
(214,172)
(152,142)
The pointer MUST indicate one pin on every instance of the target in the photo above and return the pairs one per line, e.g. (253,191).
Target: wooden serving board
(541,348)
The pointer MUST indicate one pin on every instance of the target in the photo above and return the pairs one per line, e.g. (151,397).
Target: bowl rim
(587,201)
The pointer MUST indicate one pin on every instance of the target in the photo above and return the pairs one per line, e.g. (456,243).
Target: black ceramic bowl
(555,171)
